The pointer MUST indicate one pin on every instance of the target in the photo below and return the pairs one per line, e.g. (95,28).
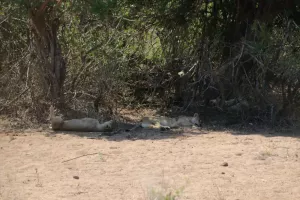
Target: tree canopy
(193,54)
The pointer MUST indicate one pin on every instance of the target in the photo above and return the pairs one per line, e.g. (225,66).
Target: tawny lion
(83,124)
(168,123)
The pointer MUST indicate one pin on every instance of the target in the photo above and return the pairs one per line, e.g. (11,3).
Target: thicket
(215,57)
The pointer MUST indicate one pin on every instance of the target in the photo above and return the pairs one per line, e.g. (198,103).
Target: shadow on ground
(155,134)
(151,134)
(137,134)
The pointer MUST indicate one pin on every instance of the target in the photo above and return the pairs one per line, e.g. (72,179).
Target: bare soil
(193,164)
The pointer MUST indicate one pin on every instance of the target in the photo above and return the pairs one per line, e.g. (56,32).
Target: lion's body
(167,122)
(83,124)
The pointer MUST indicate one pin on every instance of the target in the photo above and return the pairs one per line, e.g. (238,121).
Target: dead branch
(90,154)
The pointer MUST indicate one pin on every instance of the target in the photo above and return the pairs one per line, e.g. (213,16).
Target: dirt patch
(39,165)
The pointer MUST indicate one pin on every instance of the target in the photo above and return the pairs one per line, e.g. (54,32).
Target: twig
(4,20)
(108,41)
(38,184)
(90,154)
(15,99)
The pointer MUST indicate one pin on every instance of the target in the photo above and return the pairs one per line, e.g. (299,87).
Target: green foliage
(116,48)
(103,8)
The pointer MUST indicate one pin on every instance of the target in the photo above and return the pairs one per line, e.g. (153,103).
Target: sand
(38,165)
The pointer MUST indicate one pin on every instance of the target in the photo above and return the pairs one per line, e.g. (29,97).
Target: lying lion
(83,124)
(169,123)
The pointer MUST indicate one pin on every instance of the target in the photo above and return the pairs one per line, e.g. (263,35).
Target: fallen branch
(90,154)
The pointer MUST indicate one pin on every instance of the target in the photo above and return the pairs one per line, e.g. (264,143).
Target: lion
(83,124)
(169,123)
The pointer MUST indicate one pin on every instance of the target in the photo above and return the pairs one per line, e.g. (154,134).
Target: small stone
(76,177)
(223,173)
(225,164)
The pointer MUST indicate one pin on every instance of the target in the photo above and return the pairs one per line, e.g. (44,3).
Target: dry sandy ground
(37,166)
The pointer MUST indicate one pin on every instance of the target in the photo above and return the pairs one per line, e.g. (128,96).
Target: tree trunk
(44,26)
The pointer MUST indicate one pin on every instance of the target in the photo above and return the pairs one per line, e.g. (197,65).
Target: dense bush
(233,57)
